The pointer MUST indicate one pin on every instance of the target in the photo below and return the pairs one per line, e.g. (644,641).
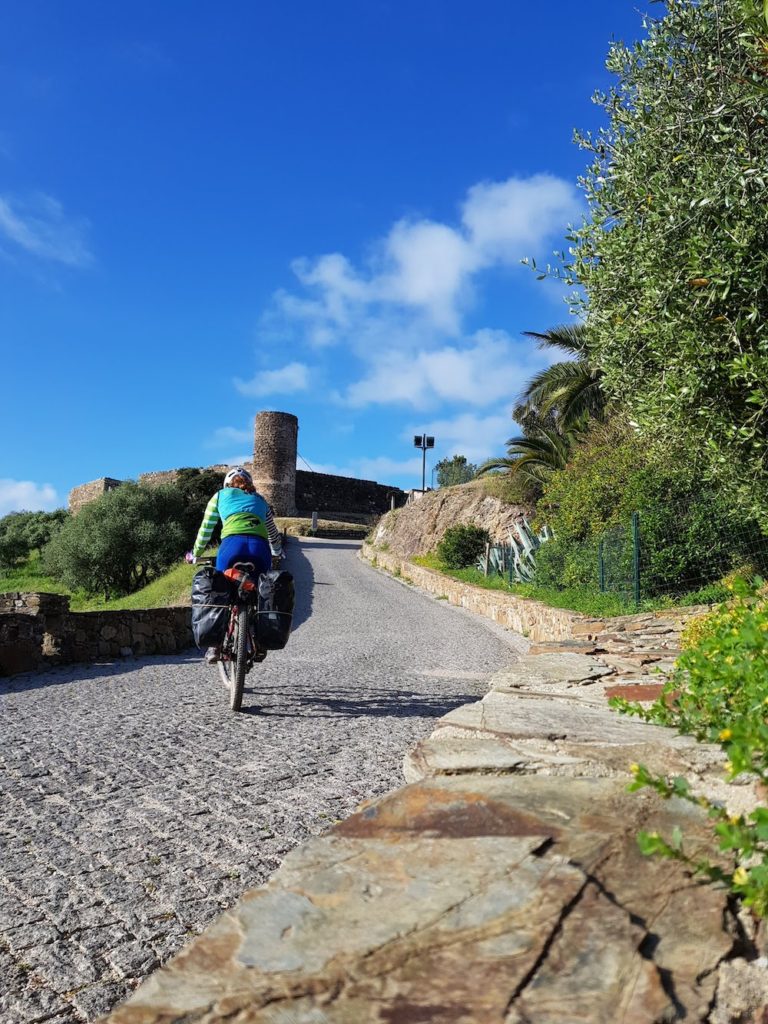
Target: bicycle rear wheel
(239,664)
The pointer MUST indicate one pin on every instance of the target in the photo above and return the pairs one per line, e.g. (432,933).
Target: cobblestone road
(135,806)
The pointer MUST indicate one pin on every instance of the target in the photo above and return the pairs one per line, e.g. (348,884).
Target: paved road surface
(134,806)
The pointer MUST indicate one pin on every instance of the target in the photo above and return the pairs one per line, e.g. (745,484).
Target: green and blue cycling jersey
(241,514)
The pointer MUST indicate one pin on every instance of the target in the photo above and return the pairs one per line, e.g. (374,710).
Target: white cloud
(237,460)
(24,495)
(228,435)
(285,381)
(482,370)
(41,229)
(418,280)
(506,220)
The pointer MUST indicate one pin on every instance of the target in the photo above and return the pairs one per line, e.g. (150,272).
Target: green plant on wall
(718,693)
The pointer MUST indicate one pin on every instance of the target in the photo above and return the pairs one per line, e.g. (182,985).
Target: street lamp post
(423,441)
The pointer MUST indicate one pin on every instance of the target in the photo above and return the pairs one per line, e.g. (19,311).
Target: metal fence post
(601,567)
(636,555)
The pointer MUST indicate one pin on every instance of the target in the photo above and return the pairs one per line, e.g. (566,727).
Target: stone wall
(81,495)
(39,630)
(275,449)
(532,619)
(321,492)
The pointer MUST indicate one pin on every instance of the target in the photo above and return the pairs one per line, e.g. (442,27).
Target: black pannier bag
(273,611)
(212,595)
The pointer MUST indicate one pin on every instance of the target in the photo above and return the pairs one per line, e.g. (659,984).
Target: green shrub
(196,487)
(690,533)
(120,542)
(512,488)
(462,545)
(719,694)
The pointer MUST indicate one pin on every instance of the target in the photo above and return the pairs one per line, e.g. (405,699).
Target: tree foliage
(691,535)
(24,532)
(455,470)
(196,486)
(119,542)
(534,454)
(570,391)
(673,258)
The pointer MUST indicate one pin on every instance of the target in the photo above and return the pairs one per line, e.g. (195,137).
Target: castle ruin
(290,491)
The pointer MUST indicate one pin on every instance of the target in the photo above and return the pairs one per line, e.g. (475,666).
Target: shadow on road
(389,704)
(58,674)
(297,563)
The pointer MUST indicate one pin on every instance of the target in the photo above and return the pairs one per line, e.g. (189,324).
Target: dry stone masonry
(38,631)
(81,495)
(275,449)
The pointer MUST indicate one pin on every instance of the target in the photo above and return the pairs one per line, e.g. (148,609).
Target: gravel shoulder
(135,806)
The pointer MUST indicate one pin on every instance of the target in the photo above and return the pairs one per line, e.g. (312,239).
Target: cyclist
(248,533)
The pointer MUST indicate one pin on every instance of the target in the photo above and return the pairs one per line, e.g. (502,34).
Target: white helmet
(237,471)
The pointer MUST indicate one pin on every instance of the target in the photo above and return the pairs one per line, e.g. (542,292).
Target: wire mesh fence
(658,552)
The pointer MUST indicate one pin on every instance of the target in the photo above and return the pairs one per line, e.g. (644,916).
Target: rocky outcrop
(419,527)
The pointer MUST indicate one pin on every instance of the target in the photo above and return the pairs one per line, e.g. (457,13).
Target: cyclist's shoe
(259,654)
(211,655)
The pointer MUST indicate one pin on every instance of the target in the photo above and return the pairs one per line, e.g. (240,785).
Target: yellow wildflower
(740,876)
(725,734)
(635,768)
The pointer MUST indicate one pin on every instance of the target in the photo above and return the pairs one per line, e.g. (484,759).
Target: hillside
(418,528)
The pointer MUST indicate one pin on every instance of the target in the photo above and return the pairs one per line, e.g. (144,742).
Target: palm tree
(536,453)
(570,390)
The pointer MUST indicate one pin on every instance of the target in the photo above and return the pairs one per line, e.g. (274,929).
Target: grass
(29,578)
(575,599)
(171,588)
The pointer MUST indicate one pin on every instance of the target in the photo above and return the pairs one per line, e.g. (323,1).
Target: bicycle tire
(238,666)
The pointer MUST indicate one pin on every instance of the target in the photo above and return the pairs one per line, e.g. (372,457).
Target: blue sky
(207,210)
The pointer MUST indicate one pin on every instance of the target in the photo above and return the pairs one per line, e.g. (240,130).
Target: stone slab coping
(463,901)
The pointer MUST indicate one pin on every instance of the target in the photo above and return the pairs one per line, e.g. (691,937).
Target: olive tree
(672,259)
(119,542)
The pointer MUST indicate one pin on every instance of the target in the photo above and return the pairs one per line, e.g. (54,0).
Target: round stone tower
(275,446)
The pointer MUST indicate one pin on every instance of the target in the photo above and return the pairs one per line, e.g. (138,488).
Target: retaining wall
(535,620)
(39,630)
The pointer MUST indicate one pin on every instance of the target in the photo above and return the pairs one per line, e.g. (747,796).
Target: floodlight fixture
(423,441)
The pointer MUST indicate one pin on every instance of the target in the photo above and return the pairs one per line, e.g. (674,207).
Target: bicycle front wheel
(239,663)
